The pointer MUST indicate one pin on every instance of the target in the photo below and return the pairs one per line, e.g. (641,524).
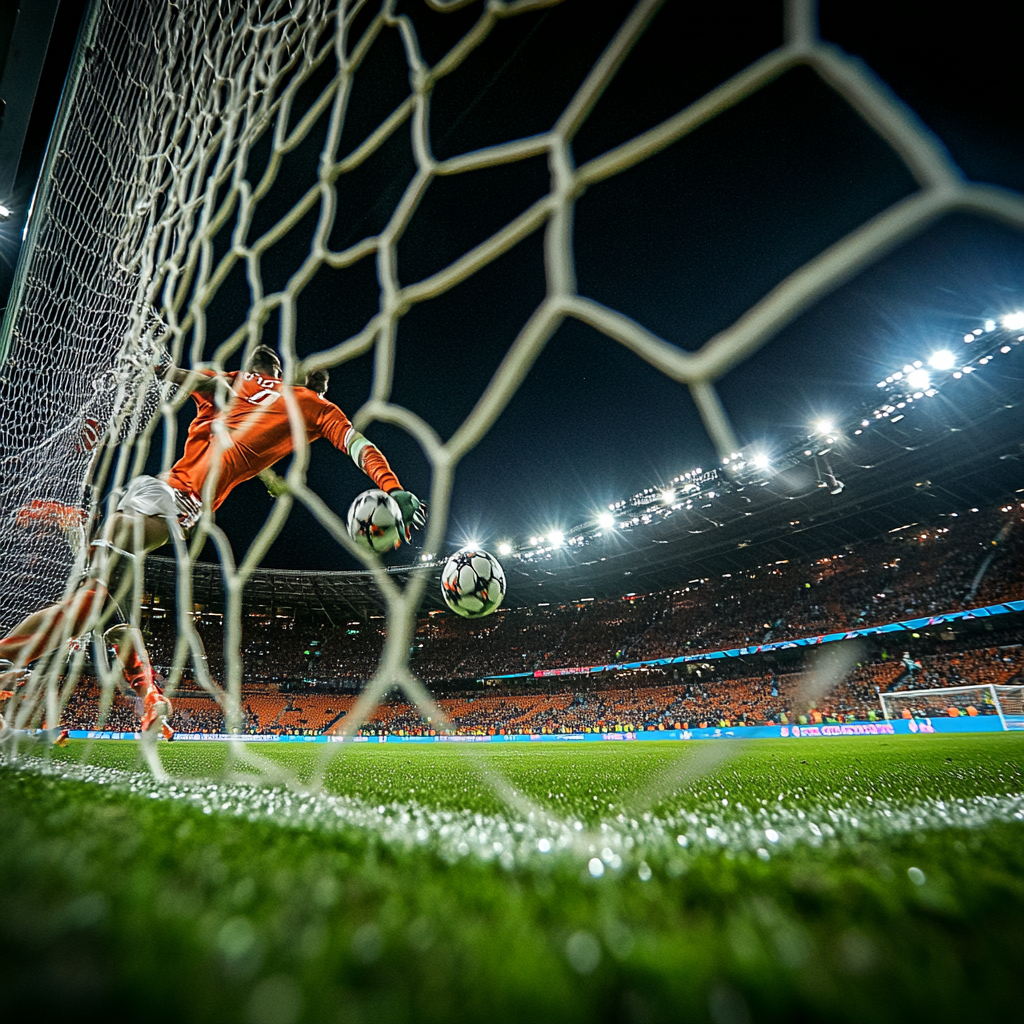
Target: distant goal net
(1004,702)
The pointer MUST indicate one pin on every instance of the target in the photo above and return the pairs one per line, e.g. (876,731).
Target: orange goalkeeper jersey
(259,434)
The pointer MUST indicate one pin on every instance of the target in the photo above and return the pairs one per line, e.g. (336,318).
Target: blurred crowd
(303,678)
(633,701)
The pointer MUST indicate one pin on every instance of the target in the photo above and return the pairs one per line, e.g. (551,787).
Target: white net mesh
(179,127)
(952,701)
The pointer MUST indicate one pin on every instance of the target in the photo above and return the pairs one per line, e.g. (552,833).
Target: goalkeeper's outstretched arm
(195,380)
(333,424)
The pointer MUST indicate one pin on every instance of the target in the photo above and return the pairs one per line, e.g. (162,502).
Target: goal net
(171,182)
(957,701)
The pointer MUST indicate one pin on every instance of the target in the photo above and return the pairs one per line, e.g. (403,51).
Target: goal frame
(992,689)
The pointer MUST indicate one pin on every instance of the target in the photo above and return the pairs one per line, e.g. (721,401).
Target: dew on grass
(583,952)
(916,875)
(596,867)
(493,832)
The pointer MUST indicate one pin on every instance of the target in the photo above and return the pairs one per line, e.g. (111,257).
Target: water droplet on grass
(916,875)
(583,951)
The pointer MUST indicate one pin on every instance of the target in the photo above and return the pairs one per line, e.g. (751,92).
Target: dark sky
(683,244)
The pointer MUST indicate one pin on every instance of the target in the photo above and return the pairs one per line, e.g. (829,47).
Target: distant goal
(955,701)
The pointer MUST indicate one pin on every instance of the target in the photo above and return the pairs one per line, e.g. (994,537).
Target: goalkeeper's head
(317,381)
(264,360)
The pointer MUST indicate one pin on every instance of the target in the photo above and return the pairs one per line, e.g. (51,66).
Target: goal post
(1007,702)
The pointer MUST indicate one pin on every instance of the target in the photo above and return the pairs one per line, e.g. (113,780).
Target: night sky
(683,244)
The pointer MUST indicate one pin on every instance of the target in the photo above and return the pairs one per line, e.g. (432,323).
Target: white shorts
(151,497)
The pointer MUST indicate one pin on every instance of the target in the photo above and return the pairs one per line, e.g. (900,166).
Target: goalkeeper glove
(275,485)
(414,512)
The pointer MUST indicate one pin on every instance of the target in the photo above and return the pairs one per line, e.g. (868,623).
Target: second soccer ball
(375,521)
(472,583)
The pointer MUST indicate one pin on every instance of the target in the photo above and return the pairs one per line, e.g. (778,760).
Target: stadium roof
(901,474)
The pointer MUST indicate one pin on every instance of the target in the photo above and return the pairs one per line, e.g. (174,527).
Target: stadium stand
(301,677)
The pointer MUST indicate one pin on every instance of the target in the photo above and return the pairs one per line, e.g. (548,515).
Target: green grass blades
(649,882)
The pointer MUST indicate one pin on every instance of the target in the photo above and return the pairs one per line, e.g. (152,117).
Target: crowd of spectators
(302,677)
(644,700)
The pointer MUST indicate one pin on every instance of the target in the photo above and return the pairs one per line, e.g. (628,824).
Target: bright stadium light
(942,360)
(504,548)
(1013,321)
(606,520)
(668,495)
(823,426)
(556,538)
(761,461)
(990,325)
(918,379)
(4,212)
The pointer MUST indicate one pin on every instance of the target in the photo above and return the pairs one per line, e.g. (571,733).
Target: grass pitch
(839,879)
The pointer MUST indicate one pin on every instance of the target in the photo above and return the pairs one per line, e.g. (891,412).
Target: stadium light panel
(668,495)
(606,520)
(504,548)
(990,325)
(761,461)
(556,538)
(4,212)
(942,360)
(918,379)
(1013,321)
(824,426)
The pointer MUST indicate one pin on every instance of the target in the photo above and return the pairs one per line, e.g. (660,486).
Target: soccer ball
(375,521)
(472,583)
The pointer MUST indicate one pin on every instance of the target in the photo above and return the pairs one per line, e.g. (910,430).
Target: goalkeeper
(248,436)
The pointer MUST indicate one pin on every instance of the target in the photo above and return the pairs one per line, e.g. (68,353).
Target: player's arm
(336,427)
(195,380)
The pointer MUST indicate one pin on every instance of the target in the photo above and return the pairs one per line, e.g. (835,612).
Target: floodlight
(668,495)
(1013,321)
(606,520)
(556,538)
(4,212)
(504,548)
(968,338)
(473,544)
(990,325)
(824,426)
(1005,349)
(942,360)
(761,461)
(918,379)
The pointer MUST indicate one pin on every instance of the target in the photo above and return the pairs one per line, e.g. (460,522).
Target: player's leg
(133,658)
(44,630)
